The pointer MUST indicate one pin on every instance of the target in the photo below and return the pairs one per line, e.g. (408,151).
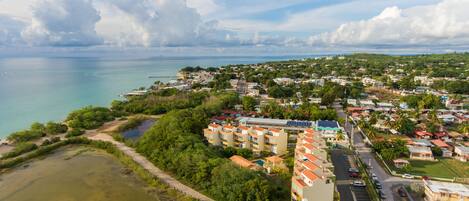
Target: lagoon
(44,89)
(74,174)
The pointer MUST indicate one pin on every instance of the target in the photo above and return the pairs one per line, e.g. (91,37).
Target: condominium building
(313,178)
(444,191)
(255,138)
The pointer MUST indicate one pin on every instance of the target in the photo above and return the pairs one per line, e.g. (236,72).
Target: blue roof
(299,123)
(327,124)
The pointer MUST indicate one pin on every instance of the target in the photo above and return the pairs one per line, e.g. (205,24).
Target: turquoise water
(43,89)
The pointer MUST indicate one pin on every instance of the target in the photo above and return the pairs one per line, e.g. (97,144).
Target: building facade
(257,139)
(313,177)
(444,191)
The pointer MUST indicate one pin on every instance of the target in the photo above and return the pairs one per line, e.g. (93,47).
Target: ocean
(47,89)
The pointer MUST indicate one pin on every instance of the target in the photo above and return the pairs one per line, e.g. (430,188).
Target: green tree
(249,103)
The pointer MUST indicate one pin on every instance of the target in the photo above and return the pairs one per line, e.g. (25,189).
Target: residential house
(332,132)
(420,153)
(445,148)
(423,135)
(400,163)
(445,191)
(462,153)
(245,163)
(274,163)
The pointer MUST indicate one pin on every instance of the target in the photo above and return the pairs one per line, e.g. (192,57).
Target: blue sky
(293,26)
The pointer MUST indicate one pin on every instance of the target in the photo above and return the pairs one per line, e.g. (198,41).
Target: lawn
(443,168)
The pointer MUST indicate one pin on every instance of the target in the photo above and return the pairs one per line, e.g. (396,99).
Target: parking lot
(347,192)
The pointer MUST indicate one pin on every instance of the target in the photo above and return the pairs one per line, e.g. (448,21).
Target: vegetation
(89,117)
(53,128)
(154,104)
(391,150)
(19,149)
(75,133)
(443,168)
(176,145)
(306,111)
(249,103)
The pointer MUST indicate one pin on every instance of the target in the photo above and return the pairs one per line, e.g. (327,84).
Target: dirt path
(149,166)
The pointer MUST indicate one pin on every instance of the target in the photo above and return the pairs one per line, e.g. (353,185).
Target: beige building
(255,138)
(444,191)
(420,153)
(313,178)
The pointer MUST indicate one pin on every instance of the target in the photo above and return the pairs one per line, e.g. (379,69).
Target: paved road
(342,163)
(165,178)
(367,157)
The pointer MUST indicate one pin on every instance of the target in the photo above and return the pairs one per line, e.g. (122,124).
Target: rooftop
(241,161)
(328,124)
(445,187)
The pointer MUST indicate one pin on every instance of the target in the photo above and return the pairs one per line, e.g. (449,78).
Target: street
(366,155)
(347,192)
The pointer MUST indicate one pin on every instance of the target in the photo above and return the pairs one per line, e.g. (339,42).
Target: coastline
(79,82)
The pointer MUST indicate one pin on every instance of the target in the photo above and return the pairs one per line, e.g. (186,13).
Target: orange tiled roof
(274,159)
(311,157)
(214,125)
(309,140)
(309,130)
(239,160)
(310,175)
(300,183)
(309,146)
(310,166)
(243,127)
(259,129)
(439,143)
(274,130)
(228,126)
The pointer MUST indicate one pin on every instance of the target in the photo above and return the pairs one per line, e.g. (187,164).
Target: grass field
(443,168)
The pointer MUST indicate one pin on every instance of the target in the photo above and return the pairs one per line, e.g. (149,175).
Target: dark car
(354,175)
(401,192)
(350,170)
(377,184)
(381,194)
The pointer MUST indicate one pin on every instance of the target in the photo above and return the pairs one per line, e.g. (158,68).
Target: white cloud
(445,23)
(10,30)
(168,23)
(204,7)
(63,23)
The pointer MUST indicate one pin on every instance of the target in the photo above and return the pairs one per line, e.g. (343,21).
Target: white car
(358,183)
(407,176)
(374,177)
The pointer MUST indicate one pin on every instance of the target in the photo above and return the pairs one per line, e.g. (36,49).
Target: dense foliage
(89,117)
(154,104)
(176,145)
(306,111)
(391,150)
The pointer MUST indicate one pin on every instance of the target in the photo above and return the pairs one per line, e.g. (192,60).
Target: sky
(233,26)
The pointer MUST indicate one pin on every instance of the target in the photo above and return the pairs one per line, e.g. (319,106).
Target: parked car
(373,176)
(381,194)
(354,175)
(377,184)
(425,177)
(407,176)
(401,192)
(358,183)
(350,170)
